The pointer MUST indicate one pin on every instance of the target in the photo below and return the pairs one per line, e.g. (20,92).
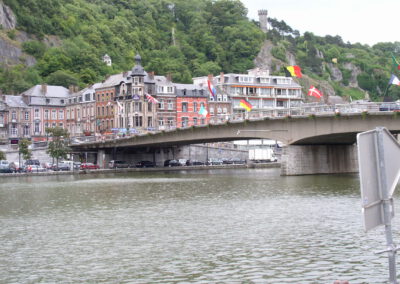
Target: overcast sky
(364,21)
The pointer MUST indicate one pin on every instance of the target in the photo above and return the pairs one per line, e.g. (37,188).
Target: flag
(203,111)
(396,64)
(293,71)
(334,60)
(394,80)
(314,92)
(121,108)
(109,103)
(246,105)
(213,91)
(151,99)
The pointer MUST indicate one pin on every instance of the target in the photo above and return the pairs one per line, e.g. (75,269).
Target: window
(53,114)
(47,101)
(170,105)
(170,89)
(219,110)
(138,107)
(138,121)
(160,89)
(37,113)
(219,98)
(1,118)
(185,107)
(46,114)
(225,98)
(194,107)
(185,121)
(265,80)
(161,104)
(37,128)
(61,125)
(170,122)
(161,122)
(62,102)
(225,110)
(283,81)
(68,114)
(26,130)
(194,120)
(211,110)
(149,106)
(203,121)
(14,115)
(61,114)
(149,121)
(14,130)
(27,115)
(246,79)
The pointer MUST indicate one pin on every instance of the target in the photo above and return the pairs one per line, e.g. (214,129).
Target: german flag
(246,105)
(293,71)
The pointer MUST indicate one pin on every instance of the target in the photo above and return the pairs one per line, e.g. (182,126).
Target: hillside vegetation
(185,38)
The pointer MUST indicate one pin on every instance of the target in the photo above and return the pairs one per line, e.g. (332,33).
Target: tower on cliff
(263,19)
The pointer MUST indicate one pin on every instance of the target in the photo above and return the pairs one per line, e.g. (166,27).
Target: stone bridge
(315,144)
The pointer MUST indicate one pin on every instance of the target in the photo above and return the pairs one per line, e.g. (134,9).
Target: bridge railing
(302,110)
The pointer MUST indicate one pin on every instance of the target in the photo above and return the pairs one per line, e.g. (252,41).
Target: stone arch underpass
(314,144)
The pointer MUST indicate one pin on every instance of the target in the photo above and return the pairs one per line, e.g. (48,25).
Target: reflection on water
(206,226)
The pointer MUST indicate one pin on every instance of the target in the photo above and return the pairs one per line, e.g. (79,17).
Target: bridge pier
(319,159)
(101,158)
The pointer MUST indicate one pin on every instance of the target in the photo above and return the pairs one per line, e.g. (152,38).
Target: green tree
(58,146)
(2,155)
(62,78)
(23,149)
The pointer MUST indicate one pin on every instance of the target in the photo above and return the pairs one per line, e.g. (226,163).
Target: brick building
(189,99)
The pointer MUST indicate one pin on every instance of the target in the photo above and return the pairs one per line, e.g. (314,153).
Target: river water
(211,226)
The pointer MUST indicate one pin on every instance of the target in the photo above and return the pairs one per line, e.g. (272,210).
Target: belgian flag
(293,71)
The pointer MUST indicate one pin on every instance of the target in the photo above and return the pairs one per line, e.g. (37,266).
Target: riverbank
(156,169)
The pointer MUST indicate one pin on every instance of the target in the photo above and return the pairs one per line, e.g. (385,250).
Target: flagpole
(385,92)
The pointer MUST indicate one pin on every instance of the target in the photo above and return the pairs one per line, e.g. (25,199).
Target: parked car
(4,164)
(145,164)
(237,161)
(77,165)
(15,166)
(114,164)
(48,165)
(214,162)
(182,162)
(62,167)
(89,166)
(194,163)
(389,107)
(171,163)
(36,169)
(32,162)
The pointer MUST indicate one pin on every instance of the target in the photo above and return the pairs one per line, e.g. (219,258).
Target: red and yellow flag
(294,71)
(246,105)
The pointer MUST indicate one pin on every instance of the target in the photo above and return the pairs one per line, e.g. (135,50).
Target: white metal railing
(303,110)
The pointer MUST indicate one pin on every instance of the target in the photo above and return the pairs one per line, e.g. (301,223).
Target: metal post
(391,248)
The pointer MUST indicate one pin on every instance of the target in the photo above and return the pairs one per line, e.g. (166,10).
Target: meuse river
(211,226)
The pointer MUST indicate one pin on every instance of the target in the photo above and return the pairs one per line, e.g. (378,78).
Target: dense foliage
(184,38)
(319,57)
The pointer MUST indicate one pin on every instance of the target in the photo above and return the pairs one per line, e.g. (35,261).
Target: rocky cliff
(7,17)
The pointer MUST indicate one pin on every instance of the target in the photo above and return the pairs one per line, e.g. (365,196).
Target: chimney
(169,77)
(221,77)
(151,75)
(71,89)
(44,89)
(76,89)
(125,74)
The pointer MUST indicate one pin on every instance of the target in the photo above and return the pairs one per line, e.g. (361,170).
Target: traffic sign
(379,173)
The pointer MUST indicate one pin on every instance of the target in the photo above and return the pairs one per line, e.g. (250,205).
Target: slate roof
(190,90)
(15,102)
(52,91)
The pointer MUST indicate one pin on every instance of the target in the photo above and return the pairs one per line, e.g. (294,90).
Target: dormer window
(62,101)
(47,101)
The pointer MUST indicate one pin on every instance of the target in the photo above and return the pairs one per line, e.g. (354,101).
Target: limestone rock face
(7,17)
(336,74)
(355,71)
(10,54)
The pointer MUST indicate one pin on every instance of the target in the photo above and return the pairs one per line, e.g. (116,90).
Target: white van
(69,163)
(4,164)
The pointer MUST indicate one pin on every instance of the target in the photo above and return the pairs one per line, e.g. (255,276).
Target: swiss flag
(314,92)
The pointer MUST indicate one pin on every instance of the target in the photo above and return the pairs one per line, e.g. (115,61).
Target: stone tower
(263,19)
